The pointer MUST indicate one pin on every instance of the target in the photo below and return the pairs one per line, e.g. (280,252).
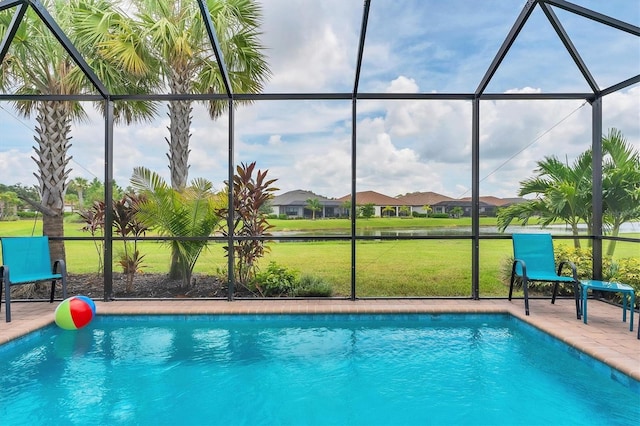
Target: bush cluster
(278,281)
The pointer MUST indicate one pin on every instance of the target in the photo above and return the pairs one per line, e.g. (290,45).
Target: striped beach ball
(75,312)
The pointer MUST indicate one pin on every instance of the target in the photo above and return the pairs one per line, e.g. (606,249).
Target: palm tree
(37,64)
(620,183)
(563,193)
(191,212)
(80,184)
(457,212)
(314,205)
(178,41)
(174,31)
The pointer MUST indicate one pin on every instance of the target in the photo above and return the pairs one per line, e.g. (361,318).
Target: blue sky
(413,46)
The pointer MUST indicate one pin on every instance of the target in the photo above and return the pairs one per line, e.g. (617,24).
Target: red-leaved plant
(249,195)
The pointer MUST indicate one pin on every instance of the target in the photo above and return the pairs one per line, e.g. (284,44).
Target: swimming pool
(308,369)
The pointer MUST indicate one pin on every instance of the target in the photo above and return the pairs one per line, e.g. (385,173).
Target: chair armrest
(522,264)
(61,266)
(574,271)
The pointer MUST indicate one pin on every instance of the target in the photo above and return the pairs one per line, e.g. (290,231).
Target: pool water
(308,370)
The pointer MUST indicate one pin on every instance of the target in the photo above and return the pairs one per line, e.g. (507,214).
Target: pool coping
(606,338)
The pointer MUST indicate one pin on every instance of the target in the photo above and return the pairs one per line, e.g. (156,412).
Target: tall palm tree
(620,183)
(178,41)
(176,35)
(37,64)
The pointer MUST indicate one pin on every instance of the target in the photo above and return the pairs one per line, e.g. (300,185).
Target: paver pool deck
(605,338)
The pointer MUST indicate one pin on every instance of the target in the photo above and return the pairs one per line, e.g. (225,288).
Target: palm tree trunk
(53,142)
(179,129)
(611,248)
(576,234)
(53,226)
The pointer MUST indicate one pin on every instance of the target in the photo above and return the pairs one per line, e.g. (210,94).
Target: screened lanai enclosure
(380,148)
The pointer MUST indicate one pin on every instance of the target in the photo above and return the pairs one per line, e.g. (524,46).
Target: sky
(412,46)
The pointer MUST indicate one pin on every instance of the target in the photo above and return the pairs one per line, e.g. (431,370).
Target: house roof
(366,197)
(422,198)
(462,203)
(495,201)
(299,197)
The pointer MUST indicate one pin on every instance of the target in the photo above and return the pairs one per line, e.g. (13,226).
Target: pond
(630,227)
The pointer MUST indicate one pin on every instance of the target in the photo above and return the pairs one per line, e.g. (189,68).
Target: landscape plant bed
(154,286)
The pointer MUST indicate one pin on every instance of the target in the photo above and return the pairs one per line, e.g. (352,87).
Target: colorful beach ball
(75,312)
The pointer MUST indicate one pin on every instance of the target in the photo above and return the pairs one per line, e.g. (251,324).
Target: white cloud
(311,46)
(402,145)
(17,167)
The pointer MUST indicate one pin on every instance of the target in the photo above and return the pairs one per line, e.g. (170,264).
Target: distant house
(418,200)
(294,205)
(383,204)
(487,205)
(449,206)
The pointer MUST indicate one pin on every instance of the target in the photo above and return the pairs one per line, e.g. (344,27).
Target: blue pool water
(308,370)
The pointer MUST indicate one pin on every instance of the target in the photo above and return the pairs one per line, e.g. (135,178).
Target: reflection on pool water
(308,369)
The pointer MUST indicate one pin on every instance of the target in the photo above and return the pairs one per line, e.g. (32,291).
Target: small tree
(314,205)
(368,210)
(8,204)
(79,185)
(191,212)
(388,210)
(457,212)
(249,195)
(346,205)
(405,210)
(427,209)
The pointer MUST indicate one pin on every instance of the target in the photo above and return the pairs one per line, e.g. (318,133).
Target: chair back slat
(26,256)
(536,250)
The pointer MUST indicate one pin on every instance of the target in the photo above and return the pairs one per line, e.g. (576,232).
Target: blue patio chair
(27,260)
(533,260)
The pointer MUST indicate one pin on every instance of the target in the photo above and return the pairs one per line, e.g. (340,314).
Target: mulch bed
(155,286)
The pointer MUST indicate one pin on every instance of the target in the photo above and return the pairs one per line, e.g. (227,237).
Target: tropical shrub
(276,280)
(127,223)
(191,212)
(312,286)
(249,196)
(93,219)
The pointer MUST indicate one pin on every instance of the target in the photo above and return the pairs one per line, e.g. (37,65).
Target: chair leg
(511,287)
(576,293)
(525,289)
(512,280)
(7,301)
(53,289)
(555,292)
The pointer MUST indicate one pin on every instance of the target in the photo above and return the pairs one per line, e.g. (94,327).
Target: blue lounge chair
(27,260)
(533,260)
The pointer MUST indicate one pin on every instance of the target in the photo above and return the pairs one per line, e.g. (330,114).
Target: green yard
(439,267)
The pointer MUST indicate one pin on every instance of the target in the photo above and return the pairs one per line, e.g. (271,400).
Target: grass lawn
(383,268)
